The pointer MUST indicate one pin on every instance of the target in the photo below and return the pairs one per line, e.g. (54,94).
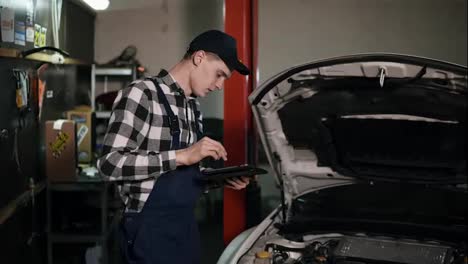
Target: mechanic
(153,147)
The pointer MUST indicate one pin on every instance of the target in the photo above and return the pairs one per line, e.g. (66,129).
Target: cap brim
(241,68)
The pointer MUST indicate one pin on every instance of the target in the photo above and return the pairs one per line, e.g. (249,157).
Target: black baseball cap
(221,44)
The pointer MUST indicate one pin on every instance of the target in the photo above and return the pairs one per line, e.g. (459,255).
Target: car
(369,153)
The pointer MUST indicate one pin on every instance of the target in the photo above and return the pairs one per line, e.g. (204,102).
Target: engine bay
(352,249)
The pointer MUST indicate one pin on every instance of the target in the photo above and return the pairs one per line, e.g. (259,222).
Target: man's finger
(231,187)
(221,153)
(245,179)
(213,154)
(238,182)
(217,144)
(242,180)
(213,145)
(233,184)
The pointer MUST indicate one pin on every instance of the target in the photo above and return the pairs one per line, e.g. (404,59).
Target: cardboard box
(60,148)
(83,118)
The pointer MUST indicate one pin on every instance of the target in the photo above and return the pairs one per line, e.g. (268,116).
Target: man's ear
(198,57)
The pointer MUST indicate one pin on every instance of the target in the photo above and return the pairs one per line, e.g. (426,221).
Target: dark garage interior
(335,141)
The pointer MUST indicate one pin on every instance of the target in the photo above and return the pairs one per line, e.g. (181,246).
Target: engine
(353,249)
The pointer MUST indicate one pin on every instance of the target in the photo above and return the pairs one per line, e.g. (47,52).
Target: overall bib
(166,231)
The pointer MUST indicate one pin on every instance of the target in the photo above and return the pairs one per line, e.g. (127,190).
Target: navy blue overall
(165,231)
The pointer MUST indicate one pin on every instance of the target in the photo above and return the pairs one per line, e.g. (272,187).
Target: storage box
(83,118)
(60,148)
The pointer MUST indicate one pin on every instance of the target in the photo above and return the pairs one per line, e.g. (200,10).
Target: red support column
(237,112)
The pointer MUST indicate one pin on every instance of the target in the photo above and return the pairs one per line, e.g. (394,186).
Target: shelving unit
(103,114)
(105,75)
(109,217)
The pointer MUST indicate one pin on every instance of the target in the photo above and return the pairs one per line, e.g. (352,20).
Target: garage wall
(290,32)
(161,32)
(297,31)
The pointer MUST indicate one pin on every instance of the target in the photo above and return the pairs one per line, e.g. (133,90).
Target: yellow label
(59,144)
(19,98)
(37,34)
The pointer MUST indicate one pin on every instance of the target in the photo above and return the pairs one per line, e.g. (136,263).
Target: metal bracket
(382,74)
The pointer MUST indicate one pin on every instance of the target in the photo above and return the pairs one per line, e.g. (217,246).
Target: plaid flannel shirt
(137,144)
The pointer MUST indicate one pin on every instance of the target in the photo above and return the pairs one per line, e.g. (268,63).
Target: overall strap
(172,118)
(197,116)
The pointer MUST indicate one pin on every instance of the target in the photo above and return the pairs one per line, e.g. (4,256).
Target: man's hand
(237,183)
(206,147)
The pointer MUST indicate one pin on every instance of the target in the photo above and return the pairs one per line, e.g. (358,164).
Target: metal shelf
(104,75)
(103,114)
(114,71)
(60,237)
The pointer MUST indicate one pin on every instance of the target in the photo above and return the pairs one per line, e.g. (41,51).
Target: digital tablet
(219,175)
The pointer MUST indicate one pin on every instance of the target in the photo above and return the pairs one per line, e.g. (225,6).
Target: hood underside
(375,117)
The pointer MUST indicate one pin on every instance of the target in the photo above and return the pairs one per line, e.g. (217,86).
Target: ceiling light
(97,4)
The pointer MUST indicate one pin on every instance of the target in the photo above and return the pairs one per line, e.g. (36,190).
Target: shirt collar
(168,80)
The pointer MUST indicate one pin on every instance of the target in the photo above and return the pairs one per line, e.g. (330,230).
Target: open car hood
(367,117)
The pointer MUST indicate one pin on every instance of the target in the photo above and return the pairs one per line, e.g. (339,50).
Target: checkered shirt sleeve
(127,154)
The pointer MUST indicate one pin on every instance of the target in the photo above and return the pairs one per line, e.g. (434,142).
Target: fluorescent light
(97,4)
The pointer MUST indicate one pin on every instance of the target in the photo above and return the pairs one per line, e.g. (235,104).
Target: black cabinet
(81,215)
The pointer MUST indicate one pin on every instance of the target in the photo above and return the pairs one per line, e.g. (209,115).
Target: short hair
(188,54)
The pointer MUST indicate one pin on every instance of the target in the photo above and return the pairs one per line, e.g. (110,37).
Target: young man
(153,146)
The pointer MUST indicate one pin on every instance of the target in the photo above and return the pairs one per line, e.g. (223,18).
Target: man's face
(209,74)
